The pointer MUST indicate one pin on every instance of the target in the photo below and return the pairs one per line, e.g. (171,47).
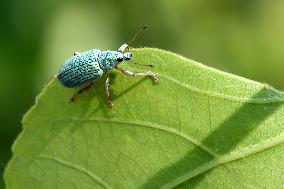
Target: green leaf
(199,127)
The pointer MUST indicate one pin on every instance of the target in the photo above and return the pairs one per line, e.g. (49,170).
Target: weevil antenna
(144,29)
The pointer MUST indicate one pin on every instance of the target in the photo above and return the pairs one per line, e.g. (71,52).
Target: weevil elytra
(83,69)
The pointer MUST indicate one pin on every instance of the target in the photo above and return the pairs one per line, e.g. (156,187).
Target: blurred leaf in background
(242,37)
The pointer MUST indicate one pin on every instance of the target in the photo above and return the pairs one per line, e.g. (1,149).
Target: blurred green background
(244,37)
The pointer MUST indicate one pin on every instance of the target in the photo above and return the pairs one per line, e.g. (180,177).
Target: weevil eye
(119,59)
(127,56)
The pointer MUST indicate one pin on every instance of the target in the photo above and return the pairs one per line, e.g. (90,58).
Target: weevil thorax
(110,59)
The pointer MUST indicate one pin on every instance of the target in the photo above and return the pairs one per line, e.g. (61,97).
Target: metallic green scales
(85,67)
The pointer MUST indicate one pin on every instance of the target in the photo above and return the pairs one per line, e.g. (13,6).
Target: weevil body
(83,69)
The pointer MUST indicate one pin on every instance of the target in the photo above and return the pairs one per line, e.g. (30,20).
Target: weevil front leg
(145,74)
(82,91)
(110,104)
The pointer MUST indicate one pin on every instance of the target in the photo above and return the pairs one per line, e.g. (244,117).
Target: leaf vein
(78,168)
(155,126)
(226,159)
(223,96)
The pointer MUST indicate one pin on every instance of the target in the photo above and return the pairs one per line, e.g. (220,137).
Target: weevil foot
(110,104)
(155,78)
(72,99)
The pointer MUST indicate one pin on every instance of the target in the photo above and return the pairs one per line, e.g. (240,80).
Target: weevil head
(127,56)
(109,59)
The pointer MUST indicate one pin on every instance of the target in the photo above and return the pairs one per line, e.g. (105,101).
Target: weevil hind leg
(143,74)
(82,91)
(107,82)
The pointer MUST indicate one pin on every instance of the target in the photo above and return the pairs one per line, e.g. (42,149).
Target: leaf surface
(198,128)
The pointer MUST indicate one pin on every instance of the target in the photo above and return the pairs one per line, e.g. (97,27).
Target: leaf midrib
(148,125)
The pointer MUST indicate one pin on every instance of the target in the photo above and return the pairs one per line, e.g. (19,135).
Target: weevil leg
(110,104)
(82,91)
(145,74)
(123,47)
(150,65)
